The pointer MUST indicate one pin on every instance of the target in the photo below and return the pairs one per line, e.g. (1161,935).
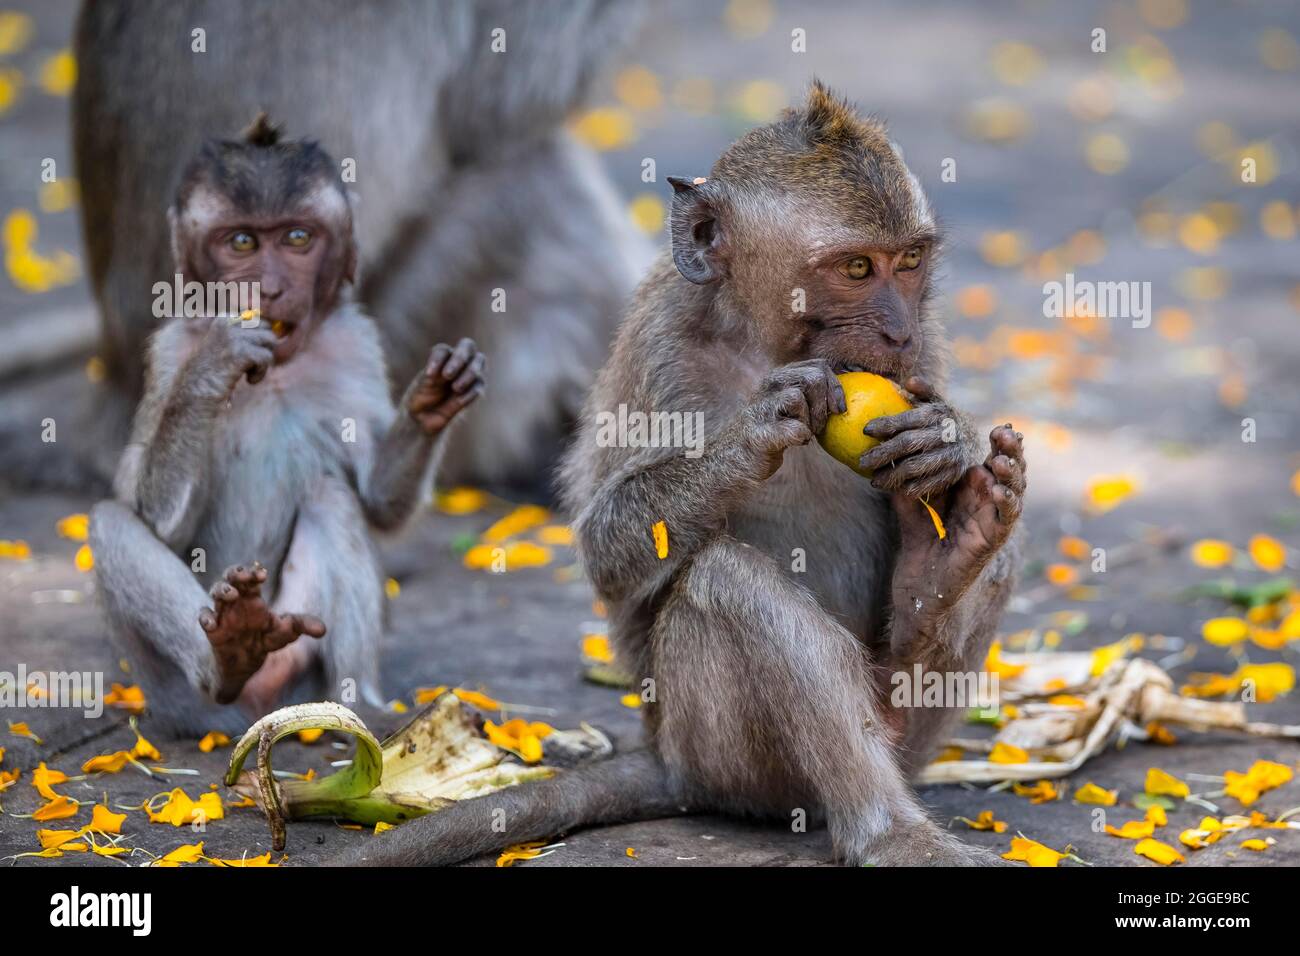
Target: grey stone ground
(1152,411)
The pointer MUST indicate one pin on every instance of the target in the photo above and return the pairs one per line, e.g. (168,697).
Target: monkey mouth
(891,373)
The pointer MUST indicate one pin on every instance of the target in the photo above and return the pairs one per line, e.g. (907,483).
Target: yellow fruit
(867,396)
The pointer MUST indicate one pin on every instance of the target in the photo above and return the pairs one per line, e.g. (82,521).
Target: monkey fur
(261,457)
(477,216)
(765,681)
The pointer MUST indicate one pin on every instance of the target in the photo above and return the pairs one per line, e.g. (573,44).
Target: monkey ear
(696,234)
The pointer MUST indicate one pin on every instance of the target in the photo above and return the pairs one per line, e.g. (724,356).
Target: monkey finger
(903,474)
(222,593)
(793,431)
(207,620)
(887,426)
(471,374)
(792,403)
(459,359)
(437,358)
(1005,441)
(1008,503)
(921,389)
(1008,472)
(308,624)
(901,446)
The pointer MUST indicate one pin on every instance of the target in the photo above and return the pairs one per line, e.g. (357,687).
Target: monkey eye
(910,260)
(297,237)
(859,267)
(243,242)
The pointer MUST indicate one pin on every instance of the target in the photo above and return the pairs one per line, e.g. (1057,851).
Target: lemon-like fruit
(867,396)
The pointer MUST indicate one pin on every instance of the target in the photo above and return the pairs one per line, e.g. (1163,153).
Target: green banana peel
(440,756)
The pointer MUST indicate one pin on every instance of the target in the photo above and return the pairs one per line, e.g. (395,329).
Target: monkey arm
(404,462)
(163,475)
(691,496)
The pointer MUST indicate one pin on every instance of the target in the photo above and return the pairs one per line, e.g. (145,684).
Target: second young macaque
(236,562)
(763,595)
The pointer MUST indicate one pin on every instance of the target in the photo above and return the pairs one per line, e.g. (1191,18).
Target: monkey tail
(622,789)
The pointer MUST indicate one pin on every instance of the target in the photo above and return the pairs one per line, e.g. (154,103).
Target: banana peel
(440,756)
(1128,695)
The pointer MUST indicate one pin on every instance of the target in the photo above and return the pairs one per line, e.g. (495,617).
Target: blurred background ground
(1117,166)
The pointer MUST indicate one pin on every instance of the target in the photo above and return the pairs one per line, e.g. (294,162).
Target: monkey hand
(922,452)
(451,380)
(229,351)
(979,514)
(790,406)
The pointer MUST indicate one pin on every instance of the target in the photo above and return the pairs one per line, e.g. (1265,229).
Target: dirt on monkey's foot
(243,630)
(979,513)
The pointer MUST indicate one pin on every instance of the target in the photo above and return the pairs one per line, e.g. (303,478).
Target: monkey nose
(898,340)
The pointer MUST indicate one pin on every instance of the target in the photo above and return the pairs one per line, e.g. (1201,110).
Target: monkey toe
(247,580)
(1004,440)
(1008,472)
(222,593)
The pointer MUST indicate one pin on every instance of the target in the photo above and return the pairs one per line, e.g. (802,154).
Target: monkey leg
(153,601)
(332,571)
(765,705)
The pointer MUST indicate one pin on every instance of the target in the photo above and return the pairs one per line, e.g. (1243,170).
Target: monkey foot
(243,630)
(927,845)
(979,513)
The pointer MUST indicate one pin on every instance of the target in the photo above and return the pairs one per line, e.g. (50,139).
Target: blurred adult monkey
(477,215)
(792,589)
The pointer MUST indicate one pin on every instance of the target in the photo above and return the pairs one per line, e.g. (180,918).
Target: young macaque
(763,638)
(263,454)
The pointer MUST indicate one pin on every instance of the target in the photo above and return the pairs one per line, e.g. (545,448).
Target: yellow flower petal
(1105,492)
(660,534)
(1267,552)
(250,861)
(520,851)
(76,527)
(1035,854)
(1133,830)
(1211,553)
(1156,815)
(1040,792)
(85,558)
(1263,775)
(985,821)
(596,647)
(1091,793)
(1076,549)
(518,521)
(1161,853)
(186,853)
(212,740)
(1224,631)
(939,529)
(107,763)
(460,501)
(1159,783)
(1008,753)
(105,820)
(55,838)
(57,809)
(994,663)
